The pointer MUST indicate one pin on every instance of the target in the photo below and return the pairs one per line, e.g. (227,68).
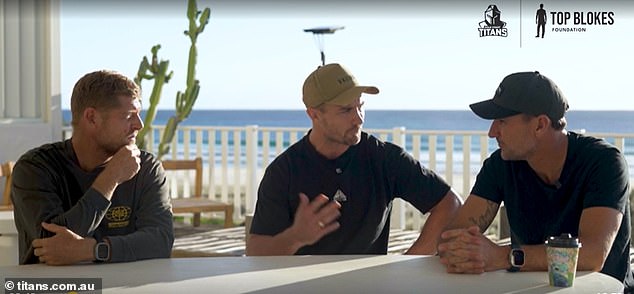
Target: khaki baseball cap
(334,84)
(524,92)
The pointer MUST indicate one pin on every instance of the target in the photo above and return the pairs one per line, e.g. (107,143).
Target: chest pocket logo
(118,216)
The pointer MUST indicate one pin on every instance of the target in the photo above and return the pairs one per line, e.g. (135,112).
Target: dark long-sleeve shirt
(49,186)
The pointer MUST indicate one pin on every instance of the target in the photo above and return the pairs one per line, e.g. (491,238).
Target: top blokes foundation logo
(492,25)
(567,21)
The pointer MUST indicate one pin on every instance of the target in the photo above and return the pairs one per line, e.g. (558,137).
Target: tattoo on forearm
(484,220)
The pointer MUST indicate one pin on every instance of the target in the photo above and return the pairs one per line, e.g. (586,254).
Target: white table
(8,239)
(307,274)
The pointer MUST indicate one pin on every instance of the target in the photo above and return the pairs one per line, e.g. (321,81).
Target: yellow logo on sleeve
(118,216)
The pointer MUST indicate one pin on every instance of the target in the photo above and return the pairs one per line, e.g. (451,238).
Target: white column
(51,75)
(12,58)
(2,66)
(29,75)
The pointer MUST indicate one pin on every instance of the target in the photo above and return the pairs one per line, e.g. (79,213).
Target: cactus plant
(157,71)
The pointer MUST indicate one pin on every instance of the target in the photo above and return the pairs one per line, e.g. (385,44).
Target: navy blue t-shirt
(371,174)
(595,173)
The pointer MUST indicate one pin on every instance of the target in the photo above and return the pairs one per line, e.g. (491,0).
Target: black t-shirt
(595,173)
(370,174)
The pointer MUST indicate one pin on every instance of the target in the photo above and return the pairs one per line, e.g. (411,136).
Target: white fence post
(466,164)
(252,168)
(397,220)
(211,149)
(449,159)
(237,182)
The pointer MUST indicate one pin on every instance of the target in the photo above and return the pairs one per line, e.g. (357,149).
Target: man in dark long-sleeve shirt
(95,196)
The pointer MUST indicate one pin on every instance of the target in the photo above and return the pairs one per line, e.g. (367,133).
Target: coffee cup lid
(563,240)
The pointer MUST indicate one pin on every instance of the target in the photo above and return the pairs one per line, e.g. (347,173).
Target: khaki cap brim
(351,94)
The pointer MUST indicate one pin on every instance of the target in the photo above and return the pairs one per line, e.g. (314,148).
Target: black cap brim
(488,110)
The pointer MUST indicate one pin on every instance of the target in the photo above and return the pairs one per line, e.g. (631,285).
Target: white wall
(30,109)
(30,112)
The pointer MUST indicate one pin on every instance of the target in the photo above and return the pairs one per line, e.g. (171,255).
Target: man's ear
(91,116)
(543,123)
(313,113)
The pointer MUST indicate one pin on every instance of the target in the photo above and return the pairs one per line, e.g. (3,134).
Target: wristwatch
(516,257)
(102,251)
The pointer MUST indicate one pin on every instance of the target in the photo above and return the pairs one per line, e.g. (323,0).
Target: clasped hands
(468,251)
(64,248)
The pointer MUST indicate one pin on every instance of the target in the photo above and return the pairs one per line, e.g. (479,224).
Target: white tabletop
(307,274)
(7,225)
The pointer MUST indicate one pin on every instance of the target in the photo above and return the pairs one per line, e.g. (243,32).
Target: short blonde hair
(100,90)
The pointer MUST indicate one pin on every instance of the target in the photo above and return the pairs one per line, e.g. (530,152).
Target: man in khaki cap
(332,192)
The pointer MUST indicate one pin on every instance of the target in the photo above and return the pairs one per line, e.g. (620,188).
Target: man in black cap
(332,191)
(551,181)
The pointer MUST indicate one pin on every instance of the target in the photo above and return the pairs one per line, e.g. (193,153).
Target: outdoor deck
(210,241)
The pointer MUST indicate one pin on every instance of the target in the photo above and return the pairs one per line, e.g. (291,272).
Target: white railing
(236,169)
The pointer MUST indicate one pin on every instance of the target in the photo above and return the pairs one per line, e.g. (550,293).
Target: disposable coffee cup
(562,253)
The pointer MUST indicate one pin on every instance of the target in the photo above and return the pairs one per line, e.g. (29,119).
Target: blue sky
(255,55)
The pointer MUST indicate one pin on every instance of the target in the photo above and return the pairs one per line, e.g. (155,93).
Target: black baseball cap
(523,92)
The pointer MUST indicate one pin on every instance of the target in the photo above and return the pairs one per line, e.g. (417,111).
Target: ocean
(462,120)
